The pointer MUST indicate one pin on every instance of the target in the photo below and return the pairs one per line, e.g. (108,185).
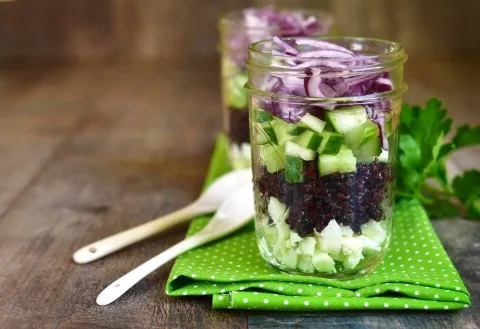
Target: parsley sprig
(422,171)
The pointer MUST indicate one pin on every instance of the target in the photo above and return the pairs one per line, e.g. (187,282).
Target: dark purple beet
(238,126)
(349,198)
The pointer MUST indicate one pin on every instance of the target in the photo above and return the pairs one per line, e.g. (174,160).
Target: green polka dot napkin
(416,272)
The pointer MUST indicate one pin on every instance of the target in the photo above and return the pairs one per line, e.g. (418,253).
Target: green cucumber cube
(272,157)
(361,135)
(293,169)
(264,133)
(346,118)
(313,123)
(369,151)
(331,143)
(296,150)
(343,162)
(298,131)
(309,140)
(262,116)
(282,130)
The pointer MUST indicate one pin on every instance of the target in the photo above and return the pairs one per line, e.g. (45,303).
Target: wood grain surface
(90,150)
(98,31)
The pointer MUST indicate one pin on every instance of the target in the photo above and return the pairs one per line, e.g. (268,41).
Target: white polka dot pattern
(233,271)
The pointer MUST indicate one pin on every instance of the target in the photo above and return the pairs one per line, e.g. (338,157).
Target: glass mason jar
(324,151)
(237,31)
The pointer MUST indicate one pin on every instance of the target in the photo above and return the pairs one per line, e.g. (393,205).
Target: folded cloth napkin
(415,274)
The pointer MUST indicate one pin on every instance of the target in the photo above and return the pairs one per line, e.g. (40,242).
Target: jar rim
(394,56)
(234,19)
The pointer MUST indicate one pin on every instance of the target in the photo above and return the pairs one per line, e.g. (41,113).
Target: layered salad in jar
(238,31)
(324,123)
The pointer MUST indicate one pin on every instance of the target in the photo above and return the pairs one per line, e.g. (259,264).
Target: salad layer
(323,170)
(323,187)
(352,199)
(335,248)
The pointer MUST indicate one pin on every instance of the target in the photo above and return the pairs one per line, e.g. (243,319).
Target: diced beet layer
(350,198)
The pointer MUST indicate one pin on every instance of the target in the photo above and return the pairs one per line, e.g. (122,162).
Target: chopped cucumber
(344,161)
(237,97)
(277,210)
(351,261)
(283,232)
(293,169)
(309,140)
(288,257)
(262,116)
(331,238)
(297,131)
(272,157)
(294,239)
(307,246)
(313,123)
(305,264)
(269,232)
(361,135)
(298,151)
(351,246)
(331,143)
(369,151)
(374,231)
(368,245)
(282,130)
(323,262)
(346,231)
(347,118)
(338,257)
(264,133)
(279,213)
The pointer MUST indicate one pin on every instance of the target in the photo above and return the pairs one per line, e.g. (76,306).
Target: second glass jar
(237,31)
(324,146)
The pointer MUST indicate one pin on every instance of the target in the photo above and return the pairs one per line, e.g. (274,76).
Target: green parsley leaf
(410,156)
(474,208)
(466,136)
(442,209)
(423,154)
(467,188)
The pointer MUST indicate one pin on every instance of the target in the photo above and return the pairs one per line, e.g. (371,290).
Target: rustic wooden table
(89,150)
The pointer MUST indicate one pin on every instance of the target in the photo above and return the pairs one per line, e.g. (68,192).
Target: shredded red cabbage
(264,23)
(328,73)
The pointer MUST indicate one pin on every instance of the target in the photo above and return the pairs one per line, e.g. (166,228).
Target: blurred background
(112,77)
(139,30)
